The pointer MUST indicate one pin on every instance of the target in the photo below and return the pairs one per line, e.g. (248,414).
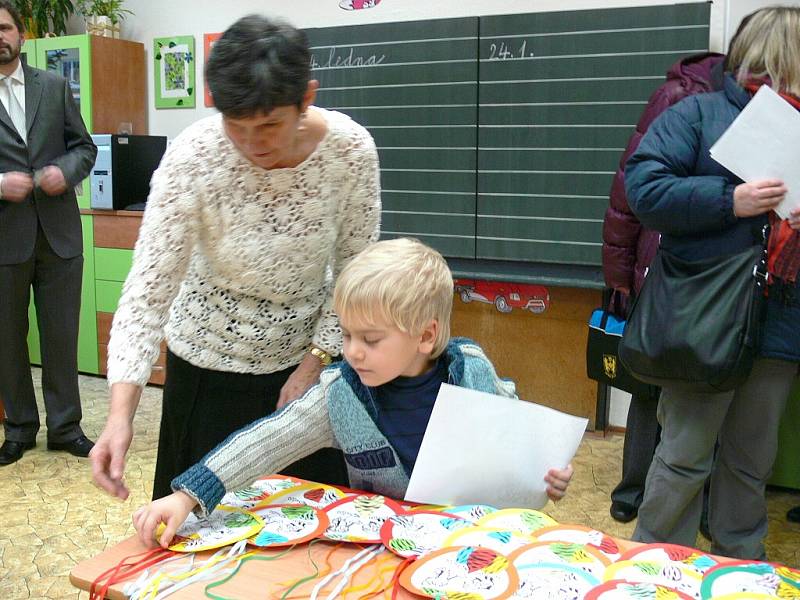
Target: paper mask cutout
(461,573)
(553,581)
(504,541)
(578,534)
(751,577)
(471,512)
(674,575)
(317,495)
(359,518)
(579,556)
(525,520)
(288,524)
(691,557)
(259,491)
(419,532)
(221,527)
(617,589)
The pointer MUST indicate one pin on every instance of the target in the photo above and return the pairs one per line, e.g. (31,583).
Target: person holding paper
(394,301)
(702,210)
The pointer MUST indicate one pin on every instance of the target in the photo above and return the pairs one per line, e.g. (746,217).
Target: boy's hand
(171,510)
(557,482)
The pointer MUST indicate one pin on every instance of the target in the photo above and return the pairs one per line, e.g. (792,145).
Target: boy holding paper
(394,301)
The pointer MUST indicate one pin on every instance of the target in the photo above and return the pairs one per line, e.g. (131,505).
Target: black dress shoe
(793,515)
(623,512)
(11,452)
(78,447)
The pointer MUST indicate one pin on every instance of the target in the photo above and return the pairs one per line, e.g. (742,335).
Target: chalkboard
(559,95)
(499,136)
(413,85)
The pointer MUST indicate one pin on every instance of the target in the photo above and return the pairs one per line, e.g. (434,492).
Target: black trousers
(201,408)
(56,284)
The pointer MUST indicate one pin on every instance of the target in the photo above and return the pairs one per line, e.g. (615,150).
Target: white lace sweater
(235,263)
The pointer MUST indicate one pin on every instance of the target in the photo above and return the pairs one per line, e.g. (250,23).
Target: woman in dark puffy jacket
(702,210)
(628,249)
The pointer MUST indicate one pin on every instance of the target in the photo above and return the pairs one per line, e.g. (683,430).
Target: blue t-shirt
(404,408)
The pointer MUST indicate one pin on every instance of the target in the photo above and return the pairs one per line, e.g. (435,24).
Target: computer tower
(121,174)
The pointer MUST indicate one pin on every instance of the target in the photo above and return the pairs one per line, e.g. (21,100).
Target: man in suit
(45,150)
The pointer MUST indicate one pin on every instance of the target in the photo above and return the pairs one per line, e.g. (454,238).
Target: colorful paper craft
(579,556)
(258,491)
(461,573)
(553,581)
(288,524)
(419,532)
(471,512)
(754,578)
(221,527)
(691,557)
(317,495)
(578,534)
(525,520)
(504,541)
(359,518)
(668,573)
(618,589)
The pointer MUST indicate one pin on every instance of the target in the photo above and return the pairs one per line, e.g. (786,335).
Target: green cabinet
(107,78)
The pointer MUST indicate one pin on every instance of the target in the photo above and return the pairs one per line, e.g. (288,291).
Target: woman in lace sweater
(251,215)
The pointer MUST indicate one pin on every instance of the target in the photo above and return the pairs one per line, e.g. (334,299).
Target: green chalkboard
(498,136)
(414,86)
(559,95)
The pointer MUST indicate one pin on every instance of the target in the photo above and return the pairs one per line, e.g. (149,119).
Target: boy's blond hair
(768,45)
(402,282)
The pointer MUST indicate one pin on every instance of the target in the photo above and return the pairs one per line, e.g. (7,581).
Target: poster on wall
(208,43)
(173,69)
(505,295)
(358,4)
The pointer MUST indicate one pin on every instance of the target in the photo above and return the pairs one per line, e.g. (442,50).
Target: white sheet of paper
(762,143)
(485,449)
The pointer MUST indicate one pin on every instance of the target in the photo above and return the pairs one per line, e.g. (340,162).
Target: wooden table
(256,578)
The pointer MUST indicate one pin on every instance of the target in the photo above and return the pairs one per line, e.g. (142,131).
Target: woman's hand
(304,376)
(794,219)
(557,482)
(171,510)
(757,197)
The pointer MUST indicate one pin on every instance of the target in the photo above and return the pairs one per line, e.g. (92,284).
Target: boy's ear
(428,338)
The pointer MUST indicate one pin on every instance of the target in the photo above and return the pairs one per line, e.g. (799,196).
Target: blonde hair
(768,45)
(402,282)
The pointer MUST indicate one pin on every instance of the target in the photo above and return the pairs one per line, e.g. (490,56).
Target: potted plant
(103,16)
(44,16)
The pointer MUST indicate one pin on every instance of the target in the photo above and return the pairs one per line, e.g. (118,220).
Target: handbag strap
(608,293)
(760,272)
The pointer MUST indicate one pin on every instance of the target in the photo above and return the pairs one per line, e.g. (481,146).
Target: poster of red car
(505,295)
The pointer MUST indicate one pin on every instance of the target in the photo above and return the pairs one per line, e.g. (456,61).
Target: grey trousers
(746,422)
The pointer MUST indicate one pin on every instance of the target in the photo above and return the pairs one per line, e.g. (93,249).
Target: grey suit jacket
(56,136)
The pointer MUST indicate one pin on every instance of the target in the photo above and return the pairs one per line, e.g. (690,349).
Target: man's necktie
(15,110)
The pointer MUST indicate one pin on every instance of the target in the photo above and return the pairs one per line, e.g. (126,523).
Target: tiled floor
(51,516)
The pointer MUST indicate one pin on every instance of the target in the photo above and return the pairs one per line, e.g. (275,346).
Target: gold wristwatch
(324,358)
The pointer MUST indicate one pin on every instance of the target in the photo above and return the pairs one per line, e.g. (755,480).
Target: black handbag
(695,324)
(602,361)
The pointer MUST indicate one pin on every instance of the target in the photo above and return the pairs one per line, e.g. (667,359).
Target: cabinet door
(70,57)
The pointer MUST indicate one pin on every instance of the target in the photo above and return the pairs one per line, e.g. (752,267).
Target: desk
(270,579)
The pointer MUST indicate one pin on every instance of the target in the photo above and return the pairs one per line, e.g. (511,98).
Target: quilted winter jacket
(628,247)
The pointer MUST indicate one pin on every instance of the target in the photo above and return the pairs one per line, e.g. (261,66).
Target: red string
(124,569)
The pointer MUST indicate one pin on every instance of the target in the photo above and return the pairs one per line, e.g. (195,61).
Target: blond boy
(394,301)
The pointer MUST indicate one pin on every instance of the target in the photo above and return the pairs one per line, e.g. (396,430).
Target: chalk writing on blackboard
(338,58)
(507,51)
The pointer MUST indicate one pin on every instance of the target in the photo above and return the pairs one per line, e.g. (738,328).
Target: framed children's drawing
(173,70)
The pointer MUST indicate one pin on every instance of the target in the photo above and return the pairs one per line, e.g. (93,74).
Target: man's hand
(304,376)
(52,181)
(757,197)
(171,510)
(16,186)
(557,482)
